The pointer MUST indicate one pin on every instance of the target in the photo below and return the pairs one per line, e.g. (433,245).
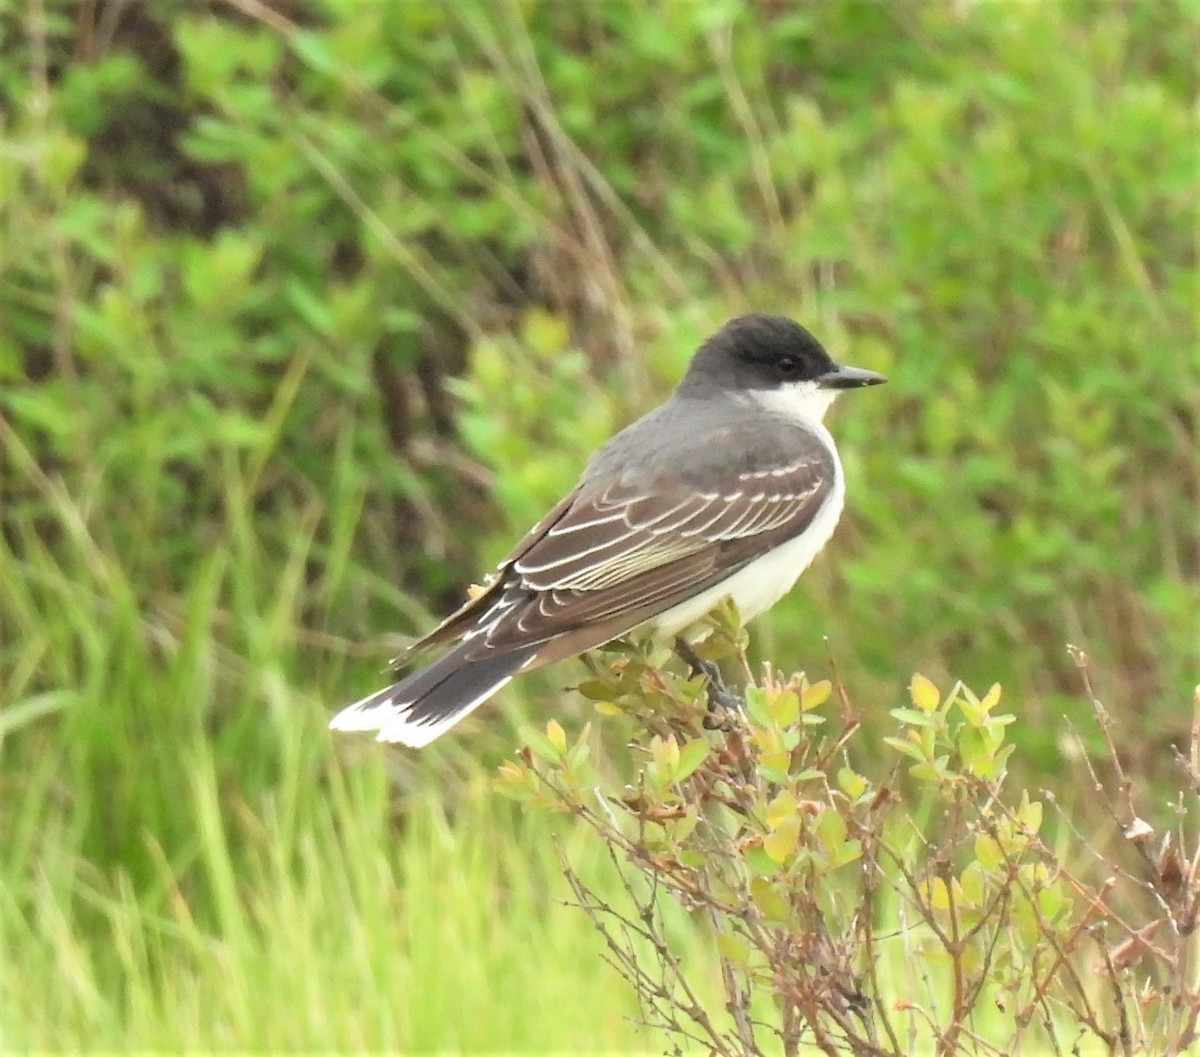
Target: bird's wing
(625,531)
(642,547)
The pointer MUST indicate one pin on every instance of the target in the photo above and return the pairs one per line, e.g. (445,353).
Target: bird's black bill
(849,378)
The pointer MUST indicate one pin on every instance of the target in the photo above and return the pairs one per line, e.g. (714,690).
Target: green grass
(189,859)
(317,918)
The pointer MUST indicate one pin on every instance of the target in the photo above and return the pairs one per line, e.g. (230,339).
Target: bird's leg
(723,704)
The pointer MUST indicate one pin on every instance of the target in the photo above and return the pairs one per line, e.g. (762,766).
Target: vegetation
(307,310)
(875,918)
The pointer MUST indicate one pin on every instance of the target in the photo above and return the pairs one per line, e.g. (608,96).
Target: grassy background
(307,310)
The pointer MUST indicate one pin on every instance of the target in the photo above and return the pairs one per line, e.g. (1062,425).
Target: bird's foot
(725,707)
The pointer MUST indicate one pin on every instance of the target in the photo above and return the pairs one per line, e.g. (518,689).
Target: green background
(307,310)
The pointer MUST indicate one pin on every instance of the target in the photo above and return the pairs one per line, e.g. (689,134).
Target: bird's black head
(761,353)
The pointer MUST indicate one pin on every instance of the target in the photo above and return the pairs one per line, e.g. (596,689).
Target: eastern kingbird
(727,490)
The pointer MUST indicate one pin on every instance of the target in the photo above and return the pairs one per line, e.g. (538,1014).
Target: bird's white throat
(798,401)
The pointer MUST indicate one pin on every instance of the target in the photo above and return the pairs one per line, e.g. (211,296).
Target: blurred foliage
(308,309)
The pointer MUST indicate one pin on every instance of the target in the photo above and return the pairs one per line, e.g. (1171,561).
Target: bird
(727,490)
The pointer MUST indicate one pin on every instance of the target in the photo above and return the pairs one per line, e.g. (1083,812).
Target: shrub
(865,916)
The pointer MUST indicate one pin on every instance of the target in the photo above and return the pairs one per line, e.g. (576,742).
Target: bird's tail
(429,702)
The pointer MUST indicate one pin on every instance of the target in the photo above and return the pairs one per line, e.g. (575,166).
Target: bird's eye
(788,366)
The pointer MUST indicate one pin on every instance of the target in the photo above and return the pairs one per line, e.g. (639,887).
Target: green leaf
(578,753)
(758,862)
(784,707)
(734,949)
(851,783)
(556,736)
(988,852)
(770,903)
(1030,813)
(691,757)
(848,851)
(924,693)
(665,752)
(679,830)
(757,706)
(936,894)
(782,841)
(782,807)
(991,698)
(905,747)
(816,695)
(1052,901)
(972,885)
(541,746)
(519,793)
(773,766)
(926,771)
(830,828)
(974,751)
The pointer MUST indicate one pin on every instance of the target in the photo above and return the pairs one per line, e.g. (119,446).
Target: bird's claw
(725,707)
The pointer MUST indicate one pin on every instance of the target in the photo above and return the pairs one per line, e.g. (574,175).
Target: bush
(923,908)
